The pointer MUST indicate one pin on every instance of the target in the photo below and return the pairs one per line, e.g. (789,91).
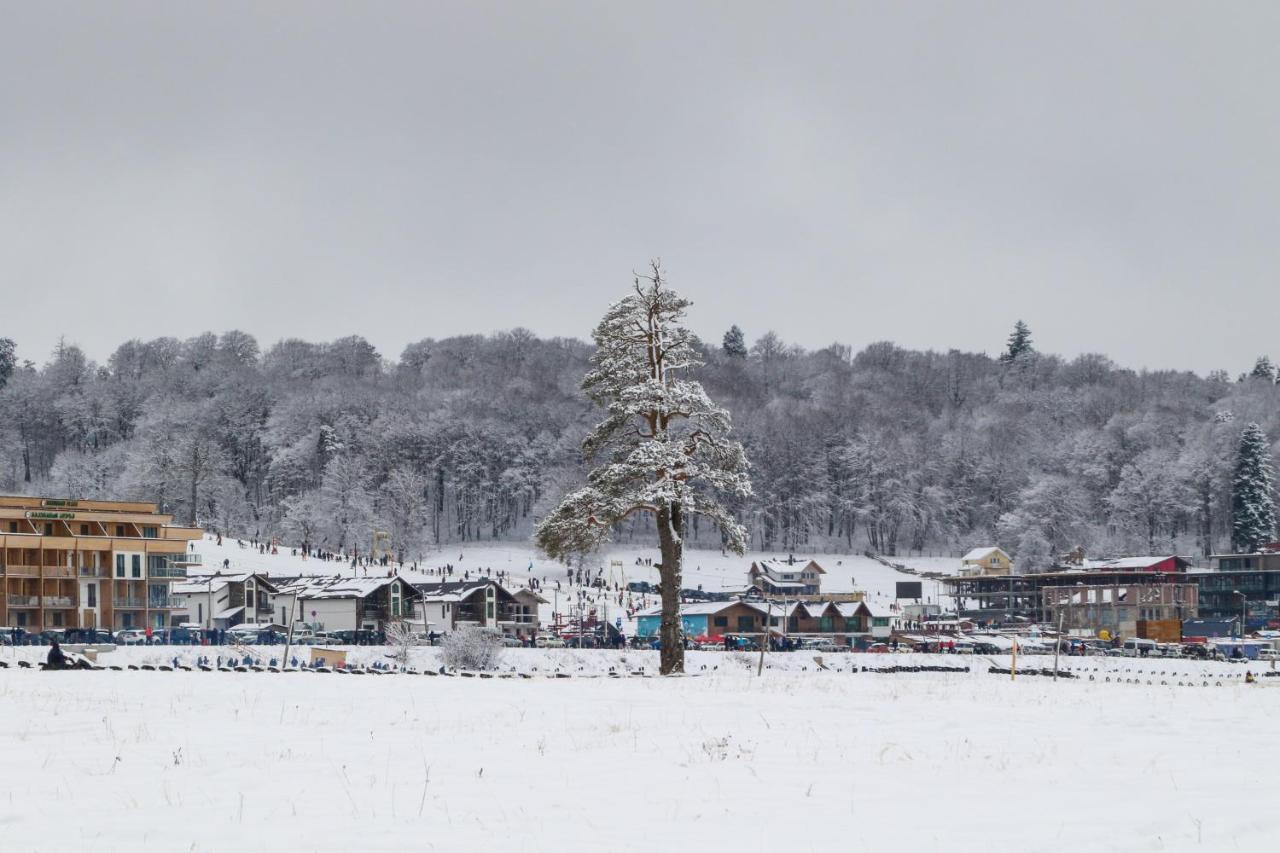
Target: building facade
(69,563)
(991,560)
(783,578)
(1120,609)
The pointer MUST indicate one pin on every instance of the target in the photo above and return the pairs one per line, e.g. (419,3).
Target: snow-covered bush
(472,648)
(402,638)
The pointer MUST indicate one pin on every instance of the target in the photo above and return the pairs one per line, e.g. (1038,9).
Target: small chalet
(226,600)
(790,577)
(990,561)
(344,604)
(483,603)
(708,619)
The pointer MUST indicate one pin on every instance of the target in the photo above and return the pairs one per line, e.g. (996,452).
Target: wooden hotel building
(89,564)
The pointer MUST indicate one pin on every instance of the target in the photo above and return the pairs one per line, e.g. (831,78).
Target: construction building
(89,564)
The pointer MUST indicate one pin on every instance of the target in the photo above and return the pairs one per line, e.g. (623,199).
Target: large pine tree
(663,447)
(1253,510)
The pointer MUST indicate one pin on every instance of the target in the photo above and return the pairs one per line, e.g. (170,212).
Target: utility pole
(767,619)
(1057,647)
(288,641)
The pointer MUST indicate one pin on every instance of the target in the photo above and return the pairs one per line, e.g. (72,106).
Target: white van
(1135,647)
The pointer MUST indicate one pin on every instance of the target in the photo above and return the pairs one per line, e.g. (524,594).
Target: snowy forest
(474,438)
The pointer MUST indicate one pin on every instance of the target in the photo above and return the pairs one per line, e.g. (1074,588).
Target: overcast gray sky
(920,172)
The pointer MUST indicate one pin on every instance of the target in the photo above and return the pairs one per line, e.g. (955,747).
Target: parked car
(1268,654)
(131,637)
(512,642)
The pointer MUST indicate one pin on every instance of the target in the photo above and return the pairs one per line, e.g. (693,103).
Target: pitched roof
(981,553)
(801,564)
(320,587)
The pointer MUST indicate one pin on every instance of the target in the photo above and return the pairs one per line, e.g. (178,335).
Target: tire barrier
(896,669)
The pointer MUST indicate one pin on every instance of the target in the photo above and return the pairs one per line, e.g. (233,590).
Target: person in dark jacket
(56,659)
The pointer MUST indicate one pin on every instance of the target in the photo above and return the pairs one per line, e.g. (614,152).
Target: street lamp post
(1243,599)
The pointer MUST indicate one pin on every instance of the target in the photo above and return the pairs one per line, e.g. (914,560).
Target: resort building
(89,564)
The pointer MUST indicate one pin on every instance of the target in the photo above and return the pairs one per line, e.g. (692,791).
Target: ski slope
(712,570)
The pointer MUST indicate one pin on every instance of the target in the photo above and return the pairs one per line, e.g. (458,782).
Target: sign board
(55,502)
(910,589)
(56,516)
(328,657)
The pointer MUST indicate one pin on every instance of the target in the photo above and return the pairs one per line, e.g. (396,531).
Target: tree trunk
(671,544)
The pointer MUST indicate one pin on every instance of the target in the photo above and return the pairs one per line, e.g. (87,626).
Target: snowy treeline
(474,437)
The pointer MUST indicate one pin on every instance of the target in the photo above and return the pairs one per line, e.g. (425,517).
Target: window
(827,624)
(91,595)
(746,623)
(57,619)
(119,565)
(149,533)
(137,565)
(851,624)
(48,529)
(84,530)
(13,527)
(880,621)
(723,621)
(119,529)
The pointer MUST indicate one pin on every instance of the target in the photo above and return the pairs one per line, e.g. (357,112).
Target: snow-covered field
(799,759)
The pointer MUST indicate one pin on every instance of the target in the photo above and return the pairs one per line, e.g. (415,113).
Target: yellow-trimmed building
(986,561)
(90,564)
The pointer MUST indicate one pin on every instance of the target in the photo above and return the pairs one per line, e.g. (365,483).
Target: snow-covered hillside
(712,570)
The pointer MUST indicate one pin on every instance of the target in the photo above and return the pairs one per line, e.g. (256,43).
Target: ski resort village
(555,427)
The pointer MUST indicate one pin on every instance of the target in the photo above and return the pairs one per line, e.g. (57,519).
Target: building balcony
(56,601)
(187,559)
(156,602)
(170,571)
(24,601)
(60,571)
(128,603)
(92,572)
(24,571)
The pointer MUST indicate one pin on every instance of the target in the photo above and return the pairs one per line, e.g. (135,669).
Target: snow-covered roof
(1127,562)
(849,609)
(335,587)
(229,612)
(195,584)
(705,608)
(980,553)
(801,564)
(776,584)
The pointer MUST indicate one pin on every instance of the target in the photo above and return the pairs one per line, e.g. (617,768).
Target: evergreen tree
(1263,369)
(1253,511)
(663,448)
(9,359)
(1019,343)
(735,344)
